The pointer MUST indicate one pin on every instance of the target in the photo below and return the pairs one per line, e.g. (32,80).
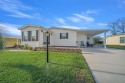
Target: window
(63,35)
(25,37)
(122,39)
(30,35)
(22,36)
(33,35)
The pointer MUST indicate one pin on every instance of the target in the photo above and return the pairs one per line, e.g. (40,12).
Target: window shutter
(60,35)
(22,36)
(66,35)
(37,35)
(29,35)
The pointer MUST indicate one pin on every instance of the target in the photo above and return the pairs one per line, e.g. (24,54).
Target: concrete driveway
(106,65)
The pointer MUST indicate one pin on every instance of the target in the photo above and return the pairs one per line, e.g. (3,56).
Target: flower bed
(59,49)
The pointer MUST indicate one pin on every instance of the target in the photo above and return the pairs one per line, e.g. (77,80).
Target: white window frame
(63,36)
(33,35)
(123,40)
(25,34)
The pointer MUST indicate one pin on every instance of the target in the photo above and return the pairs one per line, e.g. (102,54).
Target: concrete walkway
(106,65)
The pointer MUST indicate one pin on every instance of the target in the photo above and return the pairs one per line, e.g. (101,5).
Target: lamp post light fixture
(47,54)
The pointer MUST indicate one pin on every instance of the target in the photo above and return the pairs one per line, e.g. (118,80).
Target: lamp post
(47,54)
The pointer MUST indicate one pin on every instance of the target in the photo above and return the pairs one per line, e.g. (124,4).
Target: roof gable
(29,25)
(35,26)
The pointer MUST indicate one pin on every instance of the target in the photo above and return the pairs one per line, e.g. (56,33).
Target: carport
(90,33)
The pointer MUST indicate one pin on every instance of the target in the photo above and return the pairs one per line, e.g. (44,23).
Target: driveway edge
(90,70)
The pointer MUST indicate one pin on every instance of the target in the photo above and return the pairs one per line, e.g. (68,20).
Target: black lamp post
(47,54)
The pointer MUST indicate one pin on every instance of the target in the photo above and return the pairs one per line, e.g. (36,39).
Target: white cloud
(15,8)
(91,12)
(84,17)
(11,28)
(121,3)
(74,19)
(72,27)
(20,15)
(102,24)
(61,20)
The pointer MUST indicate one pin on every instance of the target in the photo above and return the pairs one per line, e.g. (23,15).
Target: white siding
(56,41)
(81,37)
(90,40)
(33,43)
(30,29)
(40,38)
(74,38)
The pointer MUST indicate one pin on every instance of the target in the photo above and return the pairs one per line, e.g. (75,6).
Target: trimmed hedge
(116,46)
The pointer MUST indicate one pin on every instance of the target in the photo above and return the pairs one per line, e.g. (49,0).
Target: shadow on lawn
(59,64)
(50,73)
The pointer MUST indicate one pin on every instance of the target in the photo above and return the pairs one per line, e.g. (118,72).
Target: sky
(80,14)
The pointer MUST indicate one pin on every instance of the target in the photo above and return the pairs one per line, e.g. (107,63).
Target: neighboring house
(98,40)
(116,39)
(35,36)
(12,41)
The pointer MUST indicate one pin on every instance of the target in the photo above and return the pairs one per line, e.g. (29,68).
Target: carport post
(105,40)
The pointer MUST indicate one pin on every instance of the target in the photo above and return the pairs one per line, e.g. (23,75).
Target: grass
(31,67)
(116,47)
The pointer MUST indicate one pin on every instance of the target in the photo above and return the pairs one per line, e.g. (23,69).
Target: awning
(92,32)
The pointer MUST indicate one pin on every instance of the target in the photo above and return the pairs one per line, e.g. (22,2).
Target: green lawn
(116,47)
(31,67)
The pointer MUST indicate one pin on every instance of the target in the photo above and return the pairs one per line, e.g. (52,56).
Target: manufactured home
(116,40)
(12,41)
(35,36)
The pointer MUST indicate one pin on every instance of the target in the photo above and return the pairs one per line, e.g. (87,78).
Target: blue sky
(85,14)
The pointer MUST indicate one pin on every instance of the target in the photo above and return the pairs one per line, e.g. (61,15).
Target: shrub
(21,46)
(1,42)
(38,48)
(30,48)
(26,46)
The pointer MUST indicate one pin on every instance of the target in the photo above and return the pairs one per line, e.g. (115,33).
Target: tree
(121,25)
(117,26)
(113,27)
(1,42)
(1,37)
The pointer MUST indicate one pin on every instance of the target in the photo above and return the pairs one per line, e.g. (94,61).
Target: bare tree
(117,27)
(121,25)
(113,27)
